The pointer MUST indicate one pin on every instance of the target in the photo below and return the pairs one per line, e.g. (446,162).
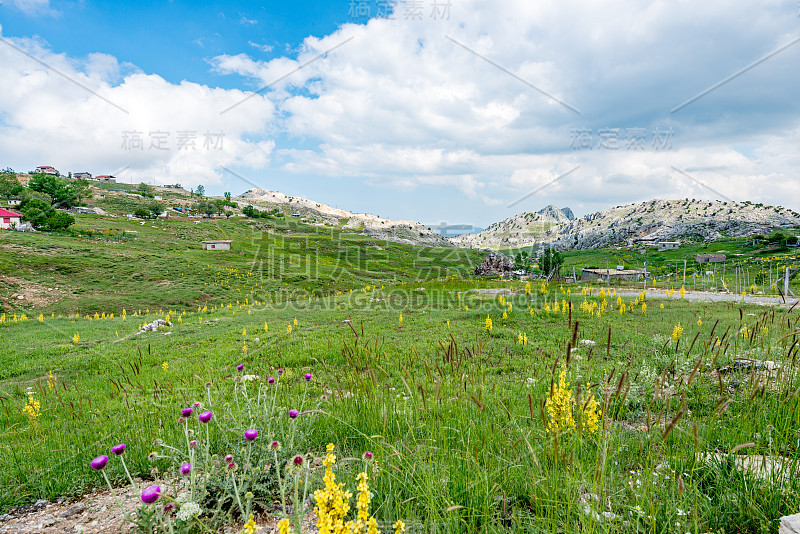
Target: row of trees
(254,213)
(549,263)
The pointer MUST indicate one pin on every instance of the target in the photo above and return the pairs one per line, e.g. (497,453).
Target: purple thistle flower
(293,413)
(251,434)
(240,367)
(168,507)
(275,445)
(297,460)
(118,449)
(193,444)
(271,380)
(231,466)
(229,458)
(151,494)
(181,420)
(280,371)
(196,404)
(205,417)
(99,463)
(186,412)
(307,376)
(186,469)
(208,384)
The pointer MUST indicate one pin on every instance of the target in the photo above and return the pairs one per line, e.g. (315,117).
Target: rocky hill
(519,230)
(655,220)
(409,232)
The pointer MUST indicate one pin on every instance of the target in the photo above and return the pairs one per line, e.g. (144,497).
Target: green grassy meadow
(463,419)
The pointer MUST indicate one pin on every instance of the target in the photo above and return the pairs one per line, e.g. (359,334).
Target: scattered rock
(155,325)
(790,524)
(495,264)
(73,510)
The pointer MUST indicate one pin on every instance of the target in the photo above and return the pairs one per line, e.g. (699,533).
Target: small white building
(14,202)
(217,245)
(668,245)
(9,219)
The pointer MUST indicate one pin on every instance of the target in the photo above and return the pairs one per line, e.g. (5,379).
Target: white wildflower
(188,511)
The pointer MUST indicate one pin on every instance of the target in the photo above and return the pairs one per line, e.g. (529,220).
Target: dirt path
(695,296)
(101,512)
(706,296)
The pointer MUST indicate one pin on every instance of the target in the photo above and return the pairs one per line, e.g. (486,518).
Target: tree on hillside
(64,194)
(9,186)
(36,211)
(79,189)
(522,261)
(551,262)
(60,220)
(155,208)
(201,191)
(209,209)
(250,211)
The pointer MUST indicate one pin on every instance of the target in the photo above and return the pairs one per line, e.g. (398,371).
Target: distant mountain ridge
(524,227)
(654,220)
(408,232)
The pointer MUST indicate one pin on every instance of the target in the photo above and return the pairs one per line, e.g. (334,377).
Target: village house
(9,219)
(107,178)
(668,245)
(216,245)
(46,169)
(82,175)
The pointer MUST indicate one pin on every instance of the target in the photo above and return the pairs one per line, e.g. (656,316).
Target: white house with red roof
(46,169)
(9,219)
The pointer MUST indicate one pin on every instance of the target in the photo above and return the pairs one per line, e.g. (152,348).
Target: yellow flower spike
(31,409)
(489,324)
(165,366)
(559,403)
(677,331)
(76,338)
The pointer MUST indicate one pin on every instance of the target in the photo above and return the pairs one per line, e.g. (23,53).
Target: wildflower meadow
(446,404)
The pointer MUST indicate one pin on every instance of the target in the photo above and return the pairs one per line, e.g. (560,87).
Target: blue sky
(446,111)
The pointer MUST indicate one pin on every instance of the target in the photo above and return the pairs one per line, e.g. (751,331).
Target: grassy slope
(451,426)
(162,265)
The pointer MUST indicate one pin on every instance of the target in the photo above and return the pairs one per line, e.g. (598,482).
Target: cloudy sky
(457,111)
